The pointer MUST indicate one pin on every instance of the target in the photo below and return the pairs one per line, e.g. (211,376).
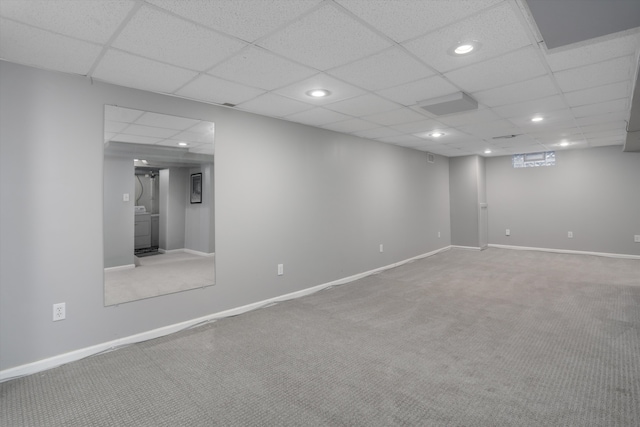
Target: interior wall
(318,201)
(118,215)
(177,200)
(198,226)
(591,192)
(464,189)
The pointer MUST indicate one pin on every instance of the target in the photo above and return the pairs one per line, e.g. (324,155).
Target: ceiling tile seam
(114,36)
(285,24)
(604,61)
(35,27)
(524,15)
(191,21)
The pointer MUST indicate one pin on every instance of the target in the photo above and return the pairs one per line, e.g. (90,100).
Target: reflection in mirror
(159,235)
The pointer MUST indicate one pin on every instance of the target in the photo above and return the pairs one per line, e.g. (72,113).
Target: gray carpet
(492,338)
(158,275)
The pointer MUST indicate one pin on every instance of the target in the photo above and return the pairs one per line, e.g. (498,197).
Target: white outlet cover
(636,238)
(59,311)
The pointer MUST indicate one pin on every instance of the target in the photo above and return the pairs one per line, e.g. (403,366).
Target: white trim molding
(120,267)
(565,251)
(72,356)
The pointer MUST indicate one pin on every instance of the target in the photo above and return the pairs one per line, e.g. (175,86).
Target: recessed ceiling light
(144,162)
(464,47)
(318,93)
(564,144)
(436,134)
(537,119)
(182,144)
(136,160)
(487,151)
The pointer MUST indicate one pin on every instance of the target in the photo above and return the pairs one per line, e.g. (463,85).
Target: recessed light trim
(537,119)
(182,144)
(564,144)
(487,151)
(465,47)
(318,93)
(436,134)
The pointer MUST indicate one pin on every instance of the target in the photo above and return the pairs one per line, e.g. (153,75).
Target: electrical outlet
(507,232)
(438,234)
(381,248)
(280,269)
(125,197)
(59,311)
(570,234)
(636,238)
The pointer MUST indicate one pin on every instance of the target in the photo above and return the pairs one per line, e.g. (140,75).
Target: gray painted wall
(176,205)
(591,192)
(318,201)
(198,234)
(464,187)
(118,215)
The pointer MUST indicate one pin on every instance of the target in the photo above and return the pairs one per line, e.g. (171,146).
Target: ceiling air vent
(505,136)
(449,104)
(431,158)
(227,104)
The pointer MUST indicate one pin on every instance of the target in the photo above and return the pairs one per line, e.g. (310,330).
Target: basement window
(529,160)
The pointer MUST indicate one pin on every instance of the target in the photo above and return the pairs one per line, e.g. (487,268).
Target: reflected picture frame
(196,188)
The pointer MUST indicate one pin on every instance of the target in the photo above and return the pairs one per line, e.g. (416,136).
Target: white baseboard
(120,267)
(468,248)
(72,356)
(184,250)
(566,251)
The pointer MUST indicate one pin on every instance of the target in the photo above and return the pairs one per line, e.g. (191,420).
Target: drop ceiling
(378,58)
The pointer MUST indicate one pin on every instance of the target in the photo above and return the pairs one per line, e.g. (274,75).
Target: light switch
(125,197)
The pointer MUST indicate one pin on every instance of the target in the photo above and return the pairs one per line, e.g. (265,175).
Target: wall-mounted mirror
(159,235)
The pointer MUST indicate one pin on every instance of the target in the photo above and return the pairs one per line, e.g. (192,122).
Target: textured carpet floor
(492,338)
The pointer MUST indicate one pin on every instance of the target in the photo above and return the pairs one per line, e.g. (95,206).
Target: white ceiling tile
(411,93)
(213,89)
(607,141)
(377,133)
(245,19)
(163,37)
(598,94)
(482,115)
(154,132)
(539,87)
(132,71)
(450,136)
(395,117)
(517,141)
(402,139)
(604,118)
(550,119)
(203,149)
(589,52)
(601,127)
(94,21)
(198,137)
(599,74)
(553,137)
(530,108)
(324,39)
(351,125)
(611,133)
(317,117)
(259,68)
(497,29)
(363,105)
(114,127)
(601,108)
(424,125)
(176,143)
(165,121)
(412,18)
(490,129)
(339,90)
(523,64)
(382,70)
(523,149)
(273,105)
(31,46)
(135,139)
